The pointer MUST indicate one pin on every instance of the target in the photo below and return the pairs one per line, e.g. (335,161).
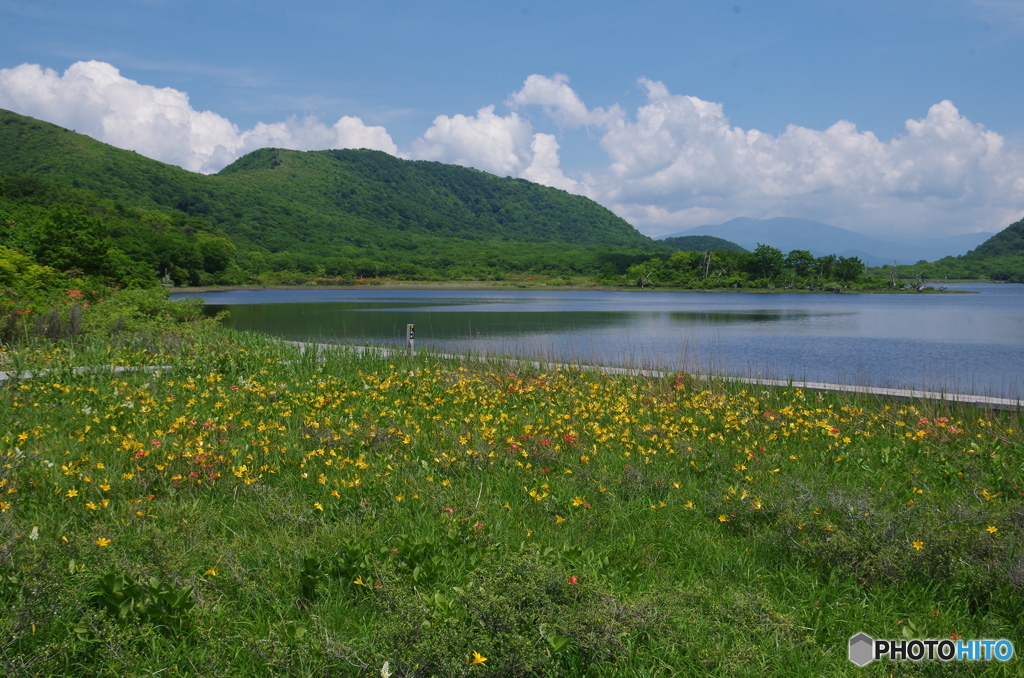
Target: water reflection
(972,343)
(722,317)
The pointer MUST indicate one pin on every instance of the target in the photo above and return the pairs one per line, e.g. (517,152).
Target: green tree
(848,269)
(767,261)
(217,253)
(802,262)
(70,240)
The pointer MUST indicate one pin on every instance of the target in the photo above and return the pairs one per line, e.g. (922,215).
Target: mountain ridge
(325,198)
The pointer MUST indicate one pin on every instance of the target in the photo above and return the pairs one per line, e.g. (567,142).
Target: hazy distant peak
(791,233)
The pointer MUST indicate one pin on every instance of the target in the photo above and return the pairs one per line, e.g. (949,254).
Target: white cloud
(680,156)
(544,168)
(93,98)
(495,144)
(561,103)
(676,162)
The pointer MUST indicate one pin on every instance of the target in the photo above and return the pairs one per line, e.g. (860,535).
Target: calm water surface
(964,342)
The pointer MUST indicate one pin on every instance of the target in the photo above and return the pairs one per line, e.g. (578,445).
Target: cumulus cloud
(675,162)
(680,161)
(561,103)
(493,143)
(544,167)
(93,98)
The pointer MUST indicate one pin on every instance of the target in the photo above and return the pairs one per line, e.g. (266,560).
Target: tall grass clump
(243,508)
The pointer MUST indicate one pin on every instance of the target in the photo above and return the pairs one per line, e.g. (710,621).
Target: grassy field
(247,510)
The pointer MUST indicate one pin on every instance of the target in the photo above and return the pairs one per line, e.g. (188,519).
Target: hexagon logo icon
(862,649)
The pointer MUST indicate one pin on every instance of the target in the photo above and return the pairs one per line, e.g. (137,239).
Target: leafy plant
(153,602)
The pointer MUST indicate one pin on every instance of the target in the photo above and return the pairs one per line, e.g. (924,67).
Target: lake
(968,343)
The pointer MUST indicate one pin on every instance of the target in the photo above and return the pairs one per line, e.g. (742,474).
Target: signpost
(410,336)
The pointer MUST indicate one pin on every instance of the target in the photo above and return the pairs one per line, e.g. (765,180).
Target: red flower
(573,580)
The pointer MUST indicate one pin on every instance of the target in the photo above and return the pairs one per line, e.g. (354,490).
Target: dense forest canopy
(701,243)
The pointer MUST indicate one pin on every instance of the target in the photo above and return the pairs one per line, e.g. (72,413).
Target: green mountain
(315,211)
(701,243)
(1001,257)
(1007,243)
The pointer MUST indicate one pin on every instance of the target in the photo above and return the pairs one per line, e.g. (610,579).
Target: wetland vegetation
(243,508)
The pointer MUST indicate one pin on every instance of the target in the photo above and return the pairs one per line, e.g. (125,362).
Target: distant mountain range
(787,233)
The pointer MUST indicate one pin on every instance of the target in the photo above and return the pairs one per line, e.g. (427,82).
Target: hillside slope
(315,202)
(1001,257)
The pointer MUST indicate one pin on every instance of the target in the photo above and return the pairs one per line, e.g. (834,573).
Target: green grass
(248,510)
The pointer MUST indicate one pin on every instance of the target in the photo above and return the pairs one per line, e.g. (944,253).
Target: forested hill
(1007,243)
(701,243)
(1001,257)
(308,201)
(428,197)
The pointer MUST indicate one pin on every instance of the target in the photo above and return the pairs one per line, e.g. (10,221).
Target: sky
(898,118)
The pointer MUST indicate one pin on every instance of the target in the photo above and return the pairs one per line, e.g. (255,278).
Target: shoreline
(904,394)
(512,287)
(907,394)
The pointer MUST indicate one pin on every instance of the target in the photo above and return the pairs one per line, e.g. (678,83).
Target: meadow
(243,508)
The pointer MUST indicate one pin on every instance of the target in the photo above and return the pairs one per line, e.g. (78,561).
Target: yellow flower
(723,518)
(559,519)
(399,497)
(318,506)
(102,541)
(992,529)
(689,505)
(478,658)
(72,493)
(212,572)
(918,545)
(358,580)
(578,501)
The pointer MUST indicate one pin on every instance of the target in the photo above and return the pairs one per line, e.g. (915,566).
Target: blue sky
(888,118)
